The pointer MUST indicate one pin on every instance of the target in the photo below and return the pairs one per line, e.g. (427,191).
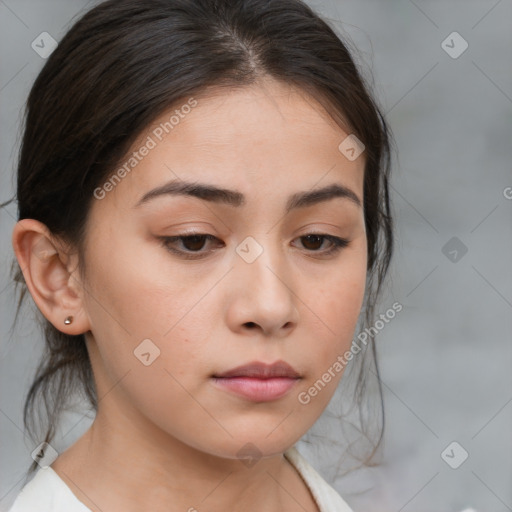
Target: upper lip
(261,370)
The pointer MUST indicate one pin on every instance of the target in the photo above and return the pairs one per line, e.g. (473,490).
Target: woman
(203,213)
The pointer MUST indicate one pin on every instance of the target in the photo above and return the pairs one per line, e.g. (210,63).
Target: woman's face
(169,316)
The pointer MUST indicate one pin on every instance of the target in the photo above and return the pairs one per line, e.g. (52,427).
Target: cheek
(334,312)
(149,338)
(134,293)
(334,316)
(338,302)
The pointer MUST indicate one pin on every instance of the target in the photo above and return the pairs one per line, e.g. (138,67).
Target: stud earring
(68,320)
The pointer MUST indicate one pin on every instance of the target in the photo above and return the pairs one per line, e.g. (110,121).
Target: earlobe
(46,269)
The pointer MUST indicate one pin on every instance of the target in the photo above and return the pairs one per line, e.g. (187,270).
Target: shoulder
(47,492)
(327,499)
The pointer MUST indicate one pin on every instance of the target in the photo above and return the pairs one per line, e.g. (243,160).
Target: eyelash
(337,244)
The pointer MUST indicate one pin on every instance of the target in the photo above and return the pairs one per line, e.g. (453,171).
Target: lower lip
(257,390)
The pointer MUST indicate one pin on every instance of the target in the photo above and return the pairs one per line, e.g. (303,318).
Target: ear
(51,276)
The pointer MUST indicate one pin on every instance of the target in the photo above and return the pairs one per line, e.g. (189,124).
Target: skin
(164,436)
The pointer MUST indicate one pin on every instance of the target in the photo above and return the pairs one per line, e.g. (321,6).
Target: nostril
(250,324)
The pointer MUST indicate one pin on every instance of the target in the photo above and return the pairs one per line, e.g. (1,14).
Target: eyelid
(165,240)
(338,243)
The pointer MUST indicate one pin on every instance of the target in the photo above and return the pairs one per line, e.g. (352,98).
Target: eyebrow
(214,194)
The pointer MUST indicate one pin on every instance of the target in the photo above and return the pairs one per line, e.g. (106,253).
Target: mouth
(258,382)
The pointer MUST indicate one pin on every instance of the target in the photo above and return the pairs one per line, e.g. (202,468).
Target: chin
(255,444)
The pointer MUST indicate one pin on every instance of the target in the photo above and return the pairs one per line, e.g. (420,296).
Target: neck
(125,465)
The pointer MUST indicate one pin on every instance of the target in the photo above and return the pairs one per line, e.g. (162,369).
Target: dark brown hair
(122,65)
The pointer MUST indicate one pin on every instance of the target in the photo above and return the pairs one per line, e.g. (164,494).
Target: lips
(258,382)
(259,370)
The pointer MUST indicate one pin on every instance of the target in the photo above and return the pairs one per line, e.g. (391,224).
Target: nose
(261,296)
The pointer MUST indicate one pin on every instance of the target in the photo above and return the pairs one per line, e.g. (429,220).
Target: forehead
(261,139)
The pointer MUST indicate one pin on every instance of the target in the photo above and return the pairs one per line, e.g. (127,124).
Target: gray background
(446,359)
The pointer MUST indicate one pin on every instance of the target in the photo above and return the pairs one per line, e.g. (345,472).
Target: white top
(47,492)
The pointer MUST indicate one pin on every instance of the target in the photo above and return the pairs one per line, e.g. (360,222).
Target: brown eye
(194,242)
(191,246)
(313,242)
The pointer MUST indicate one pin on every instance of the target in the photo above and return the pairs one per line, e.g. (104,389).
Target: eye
(314,241)
(192,244)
